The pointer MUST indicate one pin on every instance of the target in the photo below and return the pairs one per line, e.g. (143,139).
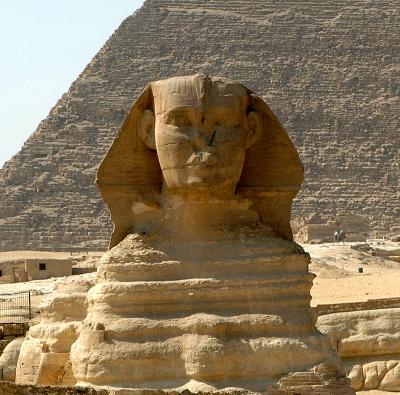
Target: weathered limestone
(7,388)
(369,343)
(323,381)
(203,288)
(9,359)
(44,356)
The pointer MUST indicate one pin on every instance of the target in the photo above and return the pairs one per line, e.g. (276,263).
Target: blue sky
(44,45)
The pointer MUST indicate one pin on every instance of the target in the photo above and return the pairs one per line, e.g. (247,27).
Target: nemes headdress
(271,178)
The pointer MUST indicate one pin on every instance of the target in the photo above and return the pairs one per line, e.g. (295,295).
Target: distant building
(34,269)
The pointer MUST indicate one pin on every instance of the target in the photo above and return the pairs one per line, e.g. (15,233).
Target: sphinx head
(201,128)
(200,136)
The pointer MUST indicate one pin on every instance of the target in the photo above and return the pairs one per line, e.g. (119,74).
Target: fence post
(29,304)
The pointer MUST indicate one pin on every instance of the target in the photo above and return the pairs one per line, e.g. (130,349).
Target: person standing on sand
(336,237)
(342,236)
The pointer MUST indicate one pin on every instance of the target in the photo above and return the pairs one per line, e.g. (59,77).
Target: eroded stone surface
(9,359)
(369,343)
(44,355)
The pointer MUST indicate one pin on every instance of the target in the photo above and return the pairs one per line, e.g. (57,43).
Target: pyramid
(328,69)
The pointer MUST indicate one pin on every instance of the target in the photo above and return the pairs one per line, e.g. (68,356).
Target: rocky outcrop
(329,70)
(369,343)
(44,355)
(7,388)
(9,359)
(320,381)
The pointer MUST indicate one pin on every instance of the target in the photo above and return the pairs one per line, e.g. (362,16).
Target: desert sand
(338,279)
(375,392)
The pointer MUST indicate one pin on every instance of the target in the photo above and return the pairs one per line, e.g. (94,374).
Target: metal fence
(15,313)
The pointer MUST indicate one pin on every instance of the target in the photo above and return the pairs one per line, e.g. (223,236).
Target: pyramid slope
(328,69)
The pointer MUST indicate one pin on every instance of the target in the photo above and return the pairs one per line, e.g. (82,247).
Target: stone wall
(373,304)
(8,388)
(328,69)
(366,336)
(368,344)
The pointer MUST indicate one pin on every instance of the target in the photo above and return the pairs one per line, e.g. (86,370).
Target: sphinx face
(201,134)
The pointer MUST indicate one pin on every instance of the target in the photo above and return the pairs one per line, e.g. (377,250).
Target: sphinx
(203,287)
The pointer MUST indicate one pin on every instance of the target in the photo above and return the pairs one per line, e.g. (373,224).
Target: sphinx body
(203,288)
(228,310)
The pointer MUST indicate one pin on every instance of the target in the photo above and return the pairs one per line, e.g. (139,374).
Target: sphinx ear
(146,128)
(254,122)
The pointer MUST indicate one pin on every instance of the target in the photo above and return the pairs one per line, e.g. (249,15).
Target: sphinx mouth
(202,159)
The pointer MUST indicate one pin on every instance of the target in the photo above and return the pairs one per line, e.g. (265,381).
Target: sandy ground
(375,392)
(338,279)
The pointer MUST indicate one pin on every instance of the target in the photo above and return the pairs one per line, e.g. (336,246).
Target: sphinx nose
(199,140)
(203,136)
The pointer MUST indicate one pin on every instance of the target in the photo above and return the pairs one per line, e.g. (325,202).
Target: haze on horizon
(45,45)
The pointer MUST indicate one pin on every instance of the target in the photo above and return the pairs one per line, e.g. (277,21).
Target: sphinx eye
(226,135)
(178,118)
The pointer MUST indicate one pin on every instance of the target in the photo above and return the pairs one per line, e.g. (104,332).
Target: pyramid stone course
(329,70)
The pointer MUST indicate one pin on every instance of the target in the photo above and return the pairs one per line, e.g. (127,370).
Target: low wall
(372,304)
(7,388)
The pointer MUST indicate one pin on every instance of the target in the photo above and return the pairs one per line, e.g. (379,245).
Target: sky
(44,46)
